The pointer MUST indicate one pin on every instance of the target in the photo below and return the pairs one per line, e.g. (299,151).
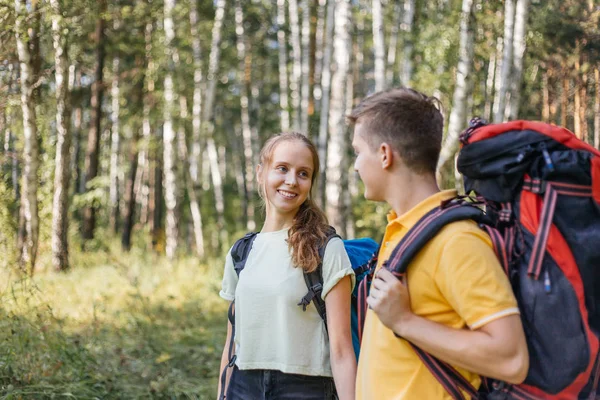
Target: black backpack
(538,196)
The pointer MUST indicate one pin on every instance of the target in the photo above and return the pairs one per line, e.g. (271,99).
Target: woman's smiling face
(287,180)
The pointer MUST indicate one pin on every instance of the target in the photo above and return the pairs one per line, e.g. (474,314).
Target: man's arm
(497,349)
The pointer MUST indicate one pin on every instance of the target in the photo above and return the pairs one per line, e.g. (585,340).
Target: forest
(130,132)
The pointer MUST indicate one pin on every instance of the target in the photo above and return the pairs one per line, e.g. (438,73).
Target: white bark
(283,74)
(407,29)
(338,139)
(114,147)
(489,87)
(326,88)
(30,145)
(305,67)
(378,45)
(169,135)
(319,48)
(393,46)
(194,155)
(62,172)
(506,63)
(296,63)
(243,82)
(519,42)
(458,119)
(207,115)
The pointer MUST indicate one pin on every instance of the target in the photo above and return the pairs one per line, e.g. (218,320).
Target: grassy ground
(126,326)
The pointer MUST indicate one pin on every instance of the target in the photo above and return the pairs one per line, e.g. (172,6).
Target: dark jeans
(260,384)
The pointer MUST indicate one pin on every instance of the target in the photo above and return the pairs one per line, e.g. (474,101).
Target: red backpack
(542,187)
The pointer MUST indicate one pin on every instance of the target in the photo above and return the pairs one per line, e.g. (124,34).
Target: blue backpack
(361,253)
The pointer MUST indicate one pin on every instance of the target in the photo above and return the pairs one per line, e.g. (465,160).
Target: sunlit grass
(117,326)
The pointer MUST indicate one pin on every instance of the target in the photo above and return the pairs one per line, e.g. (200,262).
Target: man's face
(368,164)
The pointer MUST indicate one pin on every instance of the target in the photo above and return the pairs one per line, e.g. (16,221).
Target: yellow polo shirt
(455,280)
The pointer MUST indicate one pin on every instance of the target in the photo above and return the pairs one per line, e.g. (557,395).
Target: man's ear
(386,155)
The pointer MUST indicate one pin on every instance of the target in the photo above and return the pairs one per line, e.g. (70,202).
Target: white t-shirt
(271,330)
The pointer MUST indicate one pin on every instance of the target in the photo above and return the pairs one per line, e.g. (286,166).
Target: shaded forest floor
(117,326)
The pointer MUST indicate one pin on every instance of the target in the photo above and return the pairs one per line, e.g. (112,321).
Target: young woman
(283,352)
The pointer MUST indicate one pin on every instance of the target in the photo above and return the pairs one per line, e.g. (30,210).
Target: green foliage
(117,326)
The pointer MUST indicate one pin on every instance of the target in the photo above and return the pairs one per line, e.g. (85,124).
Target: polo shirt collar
(412,216)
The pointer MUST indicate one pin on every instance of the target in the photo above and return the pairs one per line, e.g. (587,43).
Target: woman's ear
(386,155)
(259,173)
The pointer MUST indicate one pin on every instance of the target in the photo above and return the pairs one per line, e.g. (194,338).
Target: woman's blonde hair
(310,227)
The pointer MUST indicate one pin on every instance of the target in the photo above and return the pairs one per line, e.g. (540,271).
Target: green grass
(120,326)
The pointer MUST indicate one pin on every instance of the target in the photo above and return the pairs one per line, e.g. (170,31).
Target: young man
(455,301)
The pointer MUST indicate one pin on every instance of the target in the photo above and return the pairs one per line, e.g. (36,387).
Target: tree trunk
(489,87)
(564,100)
(283,75)
(169,154)
(319,49)
(114,147)
(378,46)
(207,123)
(506,62)
(129,197)
(407,33)
(304,103)
(336,157)
(62,172)
(29,206)
(459,99)
(296,63)
(519,42)
(393,45)
(93,144)
(79,179)
(326,89)
(244,71)
(545,98)
(143,181)
(194,155)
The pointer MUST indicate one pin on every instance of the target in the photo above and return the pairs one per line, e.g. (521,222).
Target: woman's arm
(225,359)
(343,359)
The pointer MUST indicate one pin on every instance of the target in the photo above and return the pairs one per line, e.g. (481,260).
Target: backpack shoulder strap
(314,282)
(241,250)
(428,226)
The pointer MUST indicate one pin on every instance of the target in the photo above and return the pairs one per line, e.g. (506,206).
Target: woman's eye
(281,168)
(304,174)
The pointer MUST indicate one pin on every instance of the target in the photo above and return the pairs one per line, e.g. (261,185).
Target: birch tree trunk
(169,154)
(243,71)
(114,146)
(519,44)
(92,156)
(283,75)
(208,126)
(458,117)
(336,157)
(194,155)
(319,48)
(407,29)
(489,87)
(378,45)
(296,63)
(326,89)
(304,103)
(393,46)
(79,179)
(62,172)
(545,98)
(504,81)
(29,199)
(129,195)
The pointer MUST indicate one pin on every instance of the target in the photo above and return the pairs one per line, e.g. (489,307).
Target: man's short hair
(407,120)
